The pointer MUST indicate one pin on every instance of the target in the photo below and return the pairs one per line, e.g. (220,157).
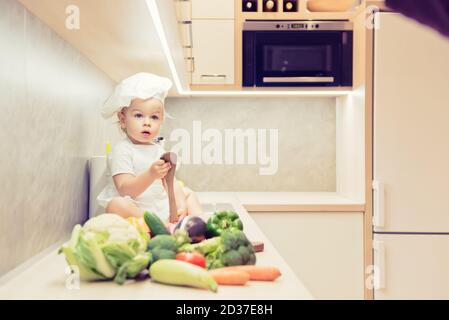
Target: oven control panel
(270,6)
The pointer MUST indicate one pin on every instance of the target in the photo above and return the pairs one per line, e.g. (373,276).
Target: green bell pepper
(223,220)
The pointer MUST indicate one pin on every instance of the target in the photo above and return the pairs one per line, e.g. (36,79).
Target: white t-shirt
(127,157)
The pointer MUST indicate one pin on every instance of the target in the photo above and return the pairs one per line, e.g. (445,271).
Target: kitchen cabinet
(184,20)
(213,9)
(411,112)
(183,10)
(324,249)
(410,160)
(411,266)
(213,51)
(184,17)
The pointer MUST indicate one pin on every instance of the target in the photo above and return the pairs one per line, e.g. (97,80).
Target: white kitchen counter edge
(295,198)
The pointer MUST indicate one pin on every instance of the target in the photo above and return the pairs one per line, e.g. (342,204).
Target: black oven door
(292,58)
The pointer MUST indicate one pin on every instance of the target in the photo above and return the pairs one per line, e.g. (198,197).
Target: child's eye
(155,117)
(138,115)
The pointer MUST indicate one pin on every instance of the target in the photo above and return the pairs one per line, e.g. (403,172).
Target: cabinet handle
(213,76)
(379,262)
(379,204)
(189,23)
(297,79)
(192,64)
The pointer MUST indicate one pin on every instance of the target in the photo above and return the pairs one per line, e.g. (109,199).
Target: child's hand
(182,213)
(171,227)
(159,169)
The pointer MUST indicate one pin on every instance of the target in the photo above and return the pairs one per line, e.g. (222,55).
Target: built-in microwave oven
(297,53)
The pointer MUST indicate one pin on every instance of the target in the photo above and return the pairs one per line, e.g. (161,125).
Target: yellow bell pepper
(139,223)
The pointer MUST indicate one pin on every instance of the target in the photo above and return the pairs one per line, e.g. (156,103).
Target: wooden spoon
(170,178)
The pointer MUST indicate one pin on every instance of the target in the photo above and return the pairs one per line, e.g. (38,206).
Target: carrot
(260,273)
(229,277)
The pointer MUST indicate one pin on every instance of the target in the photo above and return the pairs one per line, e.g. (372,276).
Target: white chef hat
(141,85)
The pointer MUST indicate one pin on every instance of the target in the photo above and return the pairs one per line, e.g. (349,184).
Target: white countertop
(298,198)
(46,278)
(296,201)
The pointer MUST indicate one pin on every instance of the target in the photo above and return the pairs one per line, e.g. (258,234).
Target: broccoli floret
(235,249)
(159,253)
(232,258)
(245,253)
(163,247)
(164,241)
(240,238)
(229,240)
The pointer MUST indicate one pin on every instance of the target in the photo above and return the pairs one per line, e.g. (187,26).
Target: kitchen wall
(304,159)
(50,125)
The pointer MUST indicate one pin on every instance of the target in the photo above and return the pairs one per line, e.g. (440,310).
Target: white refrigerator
(411,160)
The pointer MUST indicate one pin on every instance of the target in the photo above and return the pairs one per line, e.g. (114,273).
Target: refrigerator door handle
(379,204)
(379,264)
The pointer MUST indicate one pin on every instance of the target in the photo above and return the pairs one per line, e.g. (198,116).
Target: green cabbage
(107,247)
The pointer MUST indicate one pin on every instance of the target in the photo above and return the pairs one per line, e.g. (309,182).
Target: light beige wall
(50,126)
(307,141)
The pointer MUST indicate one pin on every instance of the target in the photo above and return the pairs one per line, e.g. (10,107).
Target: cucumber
(180,273)
(155,224)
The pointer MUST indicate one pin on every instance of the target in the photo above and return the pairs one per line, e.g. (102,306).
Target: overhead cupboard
(214,46)
(207,32)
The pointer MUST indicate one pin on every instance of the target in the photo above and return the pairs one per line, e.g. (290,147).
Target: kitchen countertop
(298,201)
(309,198)
(46,278)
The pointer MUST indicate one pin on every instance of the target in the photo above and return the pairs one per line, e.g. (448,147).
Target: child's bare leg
(124,207)
(193,204)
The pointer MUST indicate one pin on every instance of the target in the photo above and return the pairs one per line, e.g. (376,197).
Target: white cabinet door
(324,249)
(213,51)
(183,10)
(412,266)
(411,126)
(213,9)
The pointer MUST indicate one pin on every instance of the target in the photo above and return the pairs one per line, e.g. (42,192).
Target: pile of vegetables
(111,247)
(199,230)
(107,247)
(232,248)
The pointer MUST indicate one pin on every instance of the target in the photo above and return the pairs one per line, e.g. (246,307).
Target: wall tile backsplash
(287,144)
(50,126)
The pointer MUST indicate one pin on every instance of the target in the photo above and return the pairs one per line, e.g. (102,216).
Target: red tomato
(193,258)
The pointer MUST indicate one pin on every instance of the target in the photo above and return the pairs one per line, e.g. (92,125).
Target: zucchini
(155,224)
(180,273)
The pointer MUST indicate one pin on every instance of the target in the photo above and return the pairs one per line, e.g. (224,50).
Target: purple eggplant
(195,227)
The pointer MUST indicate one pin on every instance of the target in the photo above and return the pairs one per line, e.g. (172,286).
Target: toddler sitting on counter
(137,173)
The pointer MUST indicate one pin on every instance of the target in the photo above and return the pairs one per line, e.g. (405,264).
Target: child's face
(142,120)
